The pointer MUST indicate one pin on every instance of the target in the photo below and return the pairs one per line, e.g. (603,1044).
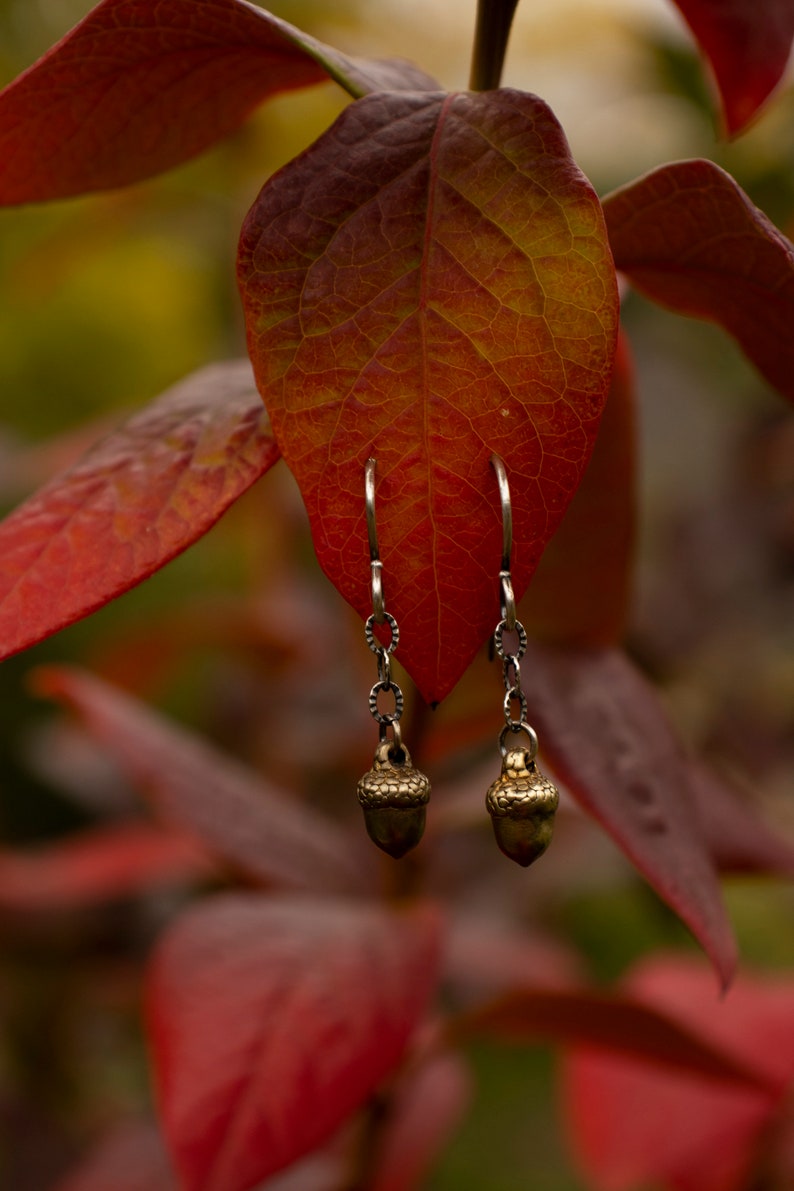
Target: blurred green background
(106,301)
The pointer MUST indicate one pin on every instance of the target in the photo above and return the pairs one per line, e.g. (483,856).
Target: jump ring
(516,728)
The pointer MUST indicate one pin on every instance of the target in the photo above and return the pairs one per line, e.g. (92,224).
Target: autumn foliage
(432,282)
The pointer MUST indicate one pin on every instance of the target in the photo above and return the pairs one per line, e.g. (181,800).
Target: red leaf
(748,46)
(634,1124)
(581,591)
(140,86)
(95,866)
(232,810)
(620,1024)
(139,498)
(689,238)
(130,1158)
(272,1020)
(430,283)
(605,733)
(426,1109)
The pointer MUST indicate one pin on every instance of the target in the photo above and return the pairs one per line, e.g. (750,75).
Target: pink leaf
(130,1157)
(140,86)
(272,1020)
(604,730)
(190,784)
(747,44)
(95,866)
(634,1124)
(139,498)
(689,238)
(620,1023)
(426,1109)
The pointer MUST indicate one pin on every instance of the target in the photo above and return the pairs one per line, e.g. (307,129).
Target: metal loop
(515,694)
(372,640)
(515,729)
(396,737)
(502,628)
(389,717)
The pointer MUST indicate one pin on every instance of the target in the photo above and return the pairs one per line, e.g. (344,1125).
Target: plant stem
(494,18)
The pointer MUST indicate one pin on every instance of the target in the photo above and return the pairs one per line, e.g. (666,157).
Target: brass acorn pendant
(521,803)
(394,796)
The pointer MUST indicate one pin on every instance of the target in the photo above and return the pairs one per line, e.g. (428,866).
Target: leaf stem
(494,18)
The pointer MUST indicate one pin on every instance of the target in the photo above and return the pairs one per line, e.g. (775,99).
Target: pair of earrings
(394,795)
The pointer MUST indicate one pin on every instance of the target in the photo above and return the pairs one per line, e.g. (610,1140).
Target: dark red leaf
(130,1158)
(139,498)
(426,1108)
(272,1020)
(239,816)
(140,86)
(431,283)
(620,1024)
(689,238)
(605,732)
(581,591)
(634,1124)
(96,865)
(738,838)
(747,45)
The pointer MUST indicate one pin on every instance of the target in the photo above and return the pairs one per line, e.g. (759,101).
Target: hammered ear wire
(522,801)
(393,795)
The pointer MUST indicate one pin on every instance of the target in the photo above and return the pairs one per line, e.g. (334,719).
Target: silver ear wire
(508,600)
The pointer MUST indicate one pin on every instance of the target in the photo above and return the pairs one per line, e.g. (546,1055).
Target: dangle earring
(522,801)
(393,795)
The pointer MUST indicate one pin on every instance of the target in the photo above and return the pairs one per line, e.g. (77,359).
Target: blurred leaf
(131,1157)
(606,734)
(237,815)
(738,838)
(431,283)
(139,498)
(97,865)
(747,45)
(687,236)
(633,1123)
(272,1020)
(426,1108)
(619,1024)
(139,86)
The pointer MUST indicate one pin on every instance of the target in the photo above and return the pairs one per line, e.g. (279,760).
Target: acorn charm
(393,796)
(521,803)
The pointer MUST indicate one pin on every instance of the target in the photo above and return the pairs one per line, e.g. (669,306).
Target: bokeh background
(106,301)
